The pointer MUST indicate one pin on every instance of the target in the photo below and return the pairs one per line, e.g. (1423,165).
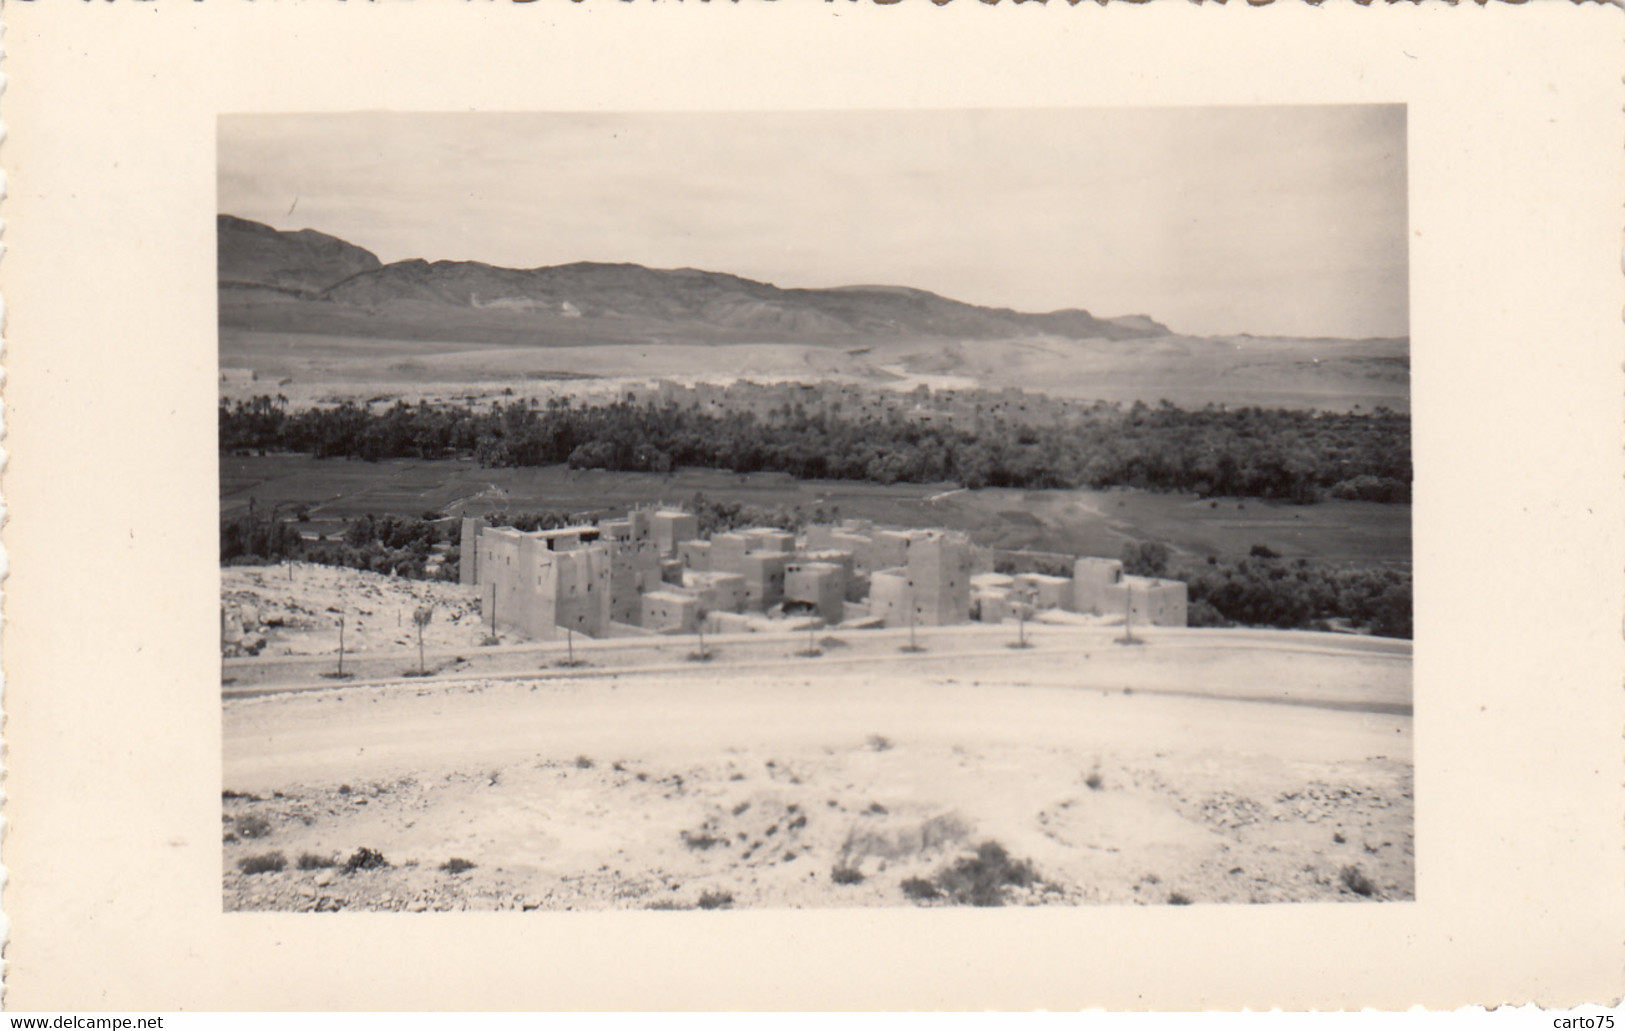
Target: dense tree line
(1293,456)
(246,539)
(1294,594)
(402,546)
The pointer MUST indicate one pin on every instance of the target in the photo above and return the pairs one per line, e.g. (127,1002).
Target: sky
(1266,220)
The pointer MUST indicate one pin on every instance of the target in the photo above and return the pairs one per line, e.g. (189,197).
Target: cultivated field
(1072,521)
(842,785)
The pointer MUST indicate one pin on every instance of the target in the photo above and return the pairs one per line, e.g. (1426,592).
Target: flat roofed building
(820,585)
(939,568)
(992,604)
(670,612)
(671,528)
(728,551)
(1046,592)
(889,597)
(766,538)
(1155,602)
(695,555)
(717,592)
(764,579)
(1093,580)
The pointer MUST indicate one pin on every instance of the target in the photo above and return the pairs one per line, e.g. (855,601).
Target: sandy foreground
(849,784)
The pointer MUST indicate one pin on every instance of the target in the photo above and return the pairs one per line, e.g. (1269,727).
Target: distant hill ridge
(259,264)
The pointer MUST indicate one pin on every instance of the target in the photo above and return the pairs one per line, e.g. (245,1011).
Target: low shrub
(716,900)
(269,862)
(702,840)
(365,859)
(1355,880)
(455,865)
(312,861)
(920,890)
(980,880)
(583,763)
(252,827)
(1178,899)
(846,875)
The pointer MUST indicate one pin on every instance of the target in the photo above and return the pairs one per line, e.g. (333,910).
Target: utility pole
(341,644)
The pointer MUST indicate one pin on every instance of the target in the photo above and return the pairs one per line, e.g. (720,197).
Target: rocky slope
(258,262)
(253,255)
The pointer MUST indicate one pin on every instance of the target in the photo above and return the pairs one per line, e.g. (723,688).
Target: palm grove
(1288,456)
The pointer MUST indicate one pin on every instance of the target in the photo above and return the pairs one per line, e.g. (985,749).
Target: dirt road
(790,786)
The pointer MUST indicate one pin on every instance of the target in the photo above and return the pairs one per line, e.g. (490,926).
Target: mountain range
(308,281)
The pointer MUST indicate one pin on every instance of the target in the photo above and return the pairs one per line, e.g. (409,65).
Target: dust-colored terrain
(834,785)
(1335,375)
(295,609)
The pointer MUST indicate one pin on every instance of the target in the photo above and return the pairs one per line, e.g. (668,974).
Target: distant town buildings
(650,573)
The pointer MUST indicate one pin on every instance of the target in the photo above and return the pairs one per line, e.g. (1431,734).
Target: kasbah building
(651,573)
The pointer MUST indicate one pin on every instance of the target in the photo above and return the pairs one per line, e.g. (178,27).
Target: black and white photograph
(688,506)
(815,509)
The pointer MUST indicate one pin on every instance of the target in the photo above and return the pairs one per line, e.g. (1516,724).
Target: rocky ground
(294,609)
(746,789)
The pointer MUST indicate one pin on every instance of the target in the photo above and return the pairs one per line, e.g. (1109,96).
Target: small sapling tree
(913,645)
(1128,616)
(420,619)
(1024,598)
(699,627)
(813,626)
(570,659)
